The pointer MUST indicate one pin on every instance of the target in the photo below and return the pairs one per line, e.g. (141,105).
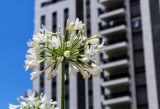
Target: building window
(54,22)
(136,25)
(43,20)
(135,8)
(137,42)
(90,93)
(54,90)
(142,97)
(66,16)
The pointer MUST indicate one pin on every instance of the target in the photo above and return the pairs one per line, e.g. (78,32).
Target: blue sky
(16,28)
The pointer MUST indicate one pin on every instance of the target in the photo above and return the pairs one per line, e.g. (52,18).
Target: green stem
(62,84)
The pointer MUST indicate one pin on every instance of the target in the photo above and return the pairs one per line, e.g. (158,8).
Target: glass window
(66,16)
(54,22)
(43,20)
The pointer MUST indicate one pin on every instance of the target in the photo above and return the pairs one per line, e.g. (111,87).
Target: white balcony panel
(117,46)
(115,13)
(119,63)
(114,101)
(114,30)
(117,82)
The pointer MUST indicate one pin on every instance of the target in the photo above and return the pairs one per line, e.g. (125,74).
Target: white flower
(54,72)
(32,60)
(95,70)
(42,106)
(70,26)
(85,74)
(84,38)
(43,98)
(40,38)
(67,54)
(51,74)
(55,43)
(69,44)
(30,44)
(73,69)
(85,59)
(11,106)
(93,41)
(95,37)
(89,52)
(79,25)
(34,75)
(31,63)
(49,61)
(33,102)
(100,47)
(23,105)
(32,96)
(34,50)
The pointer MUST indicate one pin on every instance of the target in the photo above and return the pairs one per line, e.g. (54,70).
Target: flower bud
(34,75)
(93,41)
(95,36)
(68,44)
(70,26)
(85,60)
(67,54)
(85,74)
(73,69)
(95,70)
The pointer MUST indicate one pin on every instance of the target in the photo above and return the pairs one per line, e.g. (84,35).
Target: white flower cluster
(33,102)
(73,47)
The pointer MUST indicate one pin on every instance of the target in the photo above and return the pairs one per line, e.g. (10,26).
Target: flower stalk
(63,85)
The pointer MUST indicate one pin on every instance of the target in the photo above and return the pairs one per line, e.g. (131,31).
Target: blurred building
(130,29)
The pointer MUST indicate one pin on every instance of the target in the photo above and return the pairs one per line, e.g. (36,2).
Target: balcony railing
(115,64)
(115,101)
(116,58)
(117,82)
(114,30)
(113,14)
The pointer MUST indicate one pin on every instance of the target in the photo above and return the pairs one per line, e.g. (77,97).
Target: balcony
(116,64)
(114,30)
(110,2)
(112,14)
(114,83)
(116,48)
(116,101)
(117,75)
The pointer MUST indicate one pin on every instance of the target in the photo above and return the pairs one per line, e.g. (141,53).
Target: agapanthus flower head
(34,102)
(74,47)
